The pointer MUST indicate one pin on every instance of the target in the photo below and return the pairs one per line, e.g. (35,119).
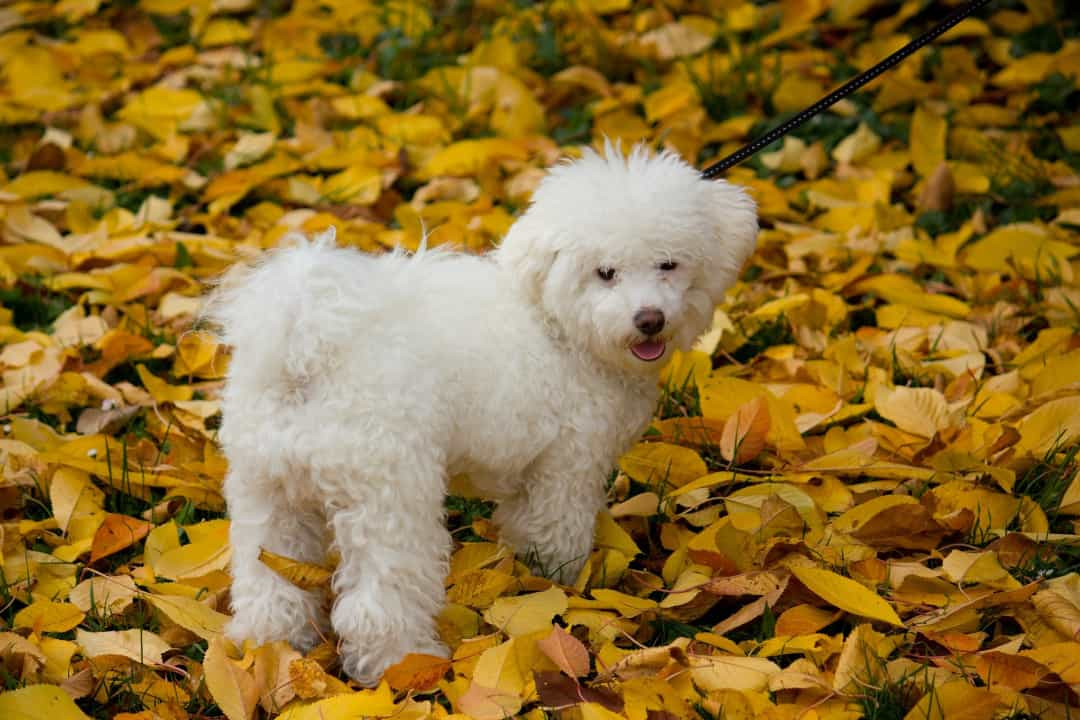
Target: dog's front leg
(550,521)
(390,583)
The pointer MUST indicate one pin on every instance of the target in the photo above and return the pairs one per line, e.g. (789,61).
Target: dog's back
(294,316)
(321,333)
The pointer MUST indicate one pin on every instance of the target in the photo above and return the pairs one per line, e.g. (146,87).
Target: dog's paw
(434,648)
(240,629)
(367,668)
(363,669)
(556,569)
(301,636)
(567,573)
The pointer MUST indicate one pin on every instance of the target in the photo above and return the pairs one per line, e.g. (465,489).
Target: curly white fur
(359,383)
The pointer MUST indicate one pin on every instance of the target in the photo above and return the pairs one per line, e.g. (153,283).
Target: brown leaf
(938,192)
(47,156)
(910,526)
(566,651)
(94,420)
(559,691)
(80,684)
(20,654)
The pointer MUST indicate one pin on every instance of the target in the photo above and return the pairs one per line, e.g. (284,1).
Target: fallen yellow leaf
(846,594)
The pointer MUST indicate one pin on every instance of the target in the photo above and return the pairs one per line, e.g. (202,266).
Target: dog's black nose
(649,320)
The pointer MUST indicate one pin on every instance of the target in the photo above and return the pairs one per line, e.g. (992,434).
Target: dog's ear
(528,252)
(734,227)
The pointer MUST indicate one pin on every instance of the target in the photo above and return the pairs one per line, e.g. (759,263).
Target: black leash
(840,93)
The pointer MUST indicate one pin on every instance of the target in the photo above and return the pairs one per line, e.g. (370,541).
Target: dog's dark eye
(668,266)
(606,274)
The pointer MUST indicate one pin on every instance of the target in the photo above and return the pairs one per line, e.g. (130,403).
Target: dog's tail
(264,311)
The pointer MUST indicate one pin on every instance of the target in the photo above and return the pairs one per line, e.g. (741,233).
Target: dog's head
(629,256)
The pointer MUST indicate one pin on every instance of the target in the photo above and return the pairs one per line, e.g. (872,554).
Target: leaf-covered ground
(859,497)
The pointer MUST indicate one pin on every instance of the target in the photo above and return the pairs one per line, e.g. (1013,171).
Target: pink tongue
(649,350)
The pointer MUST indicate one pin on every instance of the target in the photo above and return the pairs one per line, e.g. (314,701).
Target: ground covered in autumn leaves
(859,496)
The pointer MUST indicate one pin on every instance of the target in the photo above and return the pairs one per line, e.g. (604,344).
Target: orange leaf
(115,534)
(744,432)
(804,620)
(116,347)
(416,672)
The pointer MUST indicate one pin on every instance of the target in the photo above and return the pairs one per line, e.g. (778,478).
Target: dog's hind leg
(265,606)
(388,525)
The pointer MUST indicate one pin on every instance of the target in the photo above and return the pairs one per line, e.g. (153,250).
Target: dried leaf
(272,677)
(880,419)
(104,595)
(745,432)
(139,645)
(846,594)
(309,680)
(117,532)
(48,616)
(956,699)
(366,703)
(417,672)
(301,574)
(566,651)
(190,614)
(525,614)
(483,703)
(559,691)
(652,463)
(234,691)
(928,131)
(920,411)
(35,702)
(732,673)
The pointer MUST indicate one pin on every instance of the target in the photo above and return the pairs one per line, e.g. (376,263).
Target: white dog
(358,384)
